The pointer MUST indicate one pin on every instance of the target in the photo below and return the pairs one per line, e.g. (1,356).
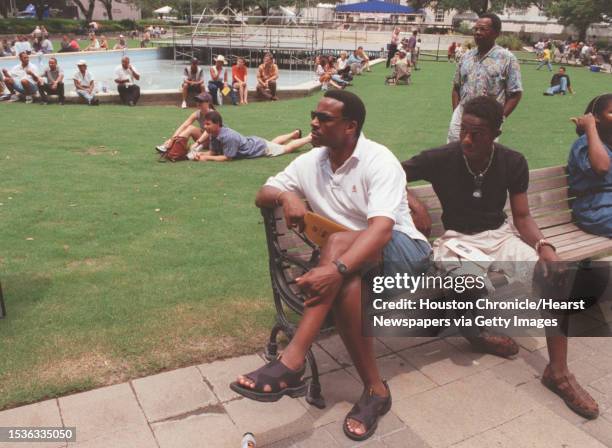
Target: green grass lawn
(115,266)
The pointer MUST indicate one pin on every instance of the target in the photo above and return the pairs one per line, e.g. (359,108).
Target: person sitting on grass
(103,43)
(401,69)
(359,184)
(365,59)
(357,63)
(267,75)
(560,83)
(218,78)
(69,45)
(94,43)
(226,144)
(590,170)
(239,81)
(121,43)
(125,75)
(189,131)
(472,178)
(84,84)
(193,81)
(23,78)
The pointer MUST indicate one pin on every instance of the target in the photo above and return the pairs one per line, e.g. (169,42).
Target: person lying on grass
(359,184)
(188,130)
(227,144)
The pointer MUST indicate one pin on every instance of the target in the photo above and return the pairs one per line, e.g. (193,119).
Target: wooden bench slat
(554,219)
(594,250)
(559,230)
(571,239)
(551,171)
(543,198)
(547,184)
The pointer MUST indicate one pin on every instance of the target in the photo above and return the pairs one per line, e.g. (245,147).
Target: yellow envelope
(318,229)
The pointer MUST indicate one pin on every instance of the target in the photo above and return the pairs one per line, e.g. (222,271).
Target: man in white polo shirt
(357,183)
(125,76)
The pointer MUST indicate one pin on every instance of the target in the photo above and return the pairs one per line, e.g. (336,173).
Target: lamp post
(190,13)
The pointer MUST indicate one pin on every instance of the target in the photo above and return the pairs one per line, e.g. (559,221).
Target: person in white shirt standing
(84,84)
(359,184)
(125,74)
(23,78)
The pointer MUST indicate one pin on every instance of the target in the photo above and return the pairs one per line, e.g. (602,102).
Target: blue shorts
(18,86)
(405,255)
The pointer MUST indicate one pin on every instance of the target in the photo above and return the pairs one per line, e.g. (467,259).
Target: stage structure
(292,37)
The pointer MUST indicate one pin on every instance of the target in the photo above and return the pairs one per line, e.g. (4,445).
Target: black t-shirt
(445,168)
(556,80)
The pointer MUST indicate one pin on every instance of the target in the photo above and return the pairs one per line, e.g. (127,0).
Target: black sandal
(367,411)
(273,374)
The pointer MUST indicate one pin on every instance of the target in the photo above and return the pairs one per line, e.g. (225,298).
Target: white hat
(220,58)
(121,36)
(81,62)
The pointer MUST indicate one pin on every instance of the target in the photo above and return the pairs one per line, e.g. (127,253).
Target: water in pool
(156,74)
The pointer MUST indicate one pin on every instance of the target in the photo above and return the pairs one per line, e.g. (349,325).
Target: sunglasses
(323,117)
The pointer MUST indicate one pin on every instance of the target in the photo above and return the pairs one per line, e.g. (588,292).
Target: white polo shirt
(370,183)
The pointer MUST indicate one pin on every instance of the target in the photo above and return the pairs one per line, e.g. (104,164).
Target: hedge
(66,26)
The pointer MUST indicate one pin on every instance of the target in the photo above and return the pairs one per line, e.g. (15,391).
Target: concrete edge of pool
(173,96)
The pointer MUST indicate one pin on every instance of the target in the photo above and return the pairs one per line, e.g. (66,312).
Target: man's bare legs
(185,91)
(557,354)
(346,303)
(291,142)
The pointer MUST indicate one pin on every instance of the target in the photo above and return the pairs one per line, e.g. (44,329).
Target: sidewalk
(443,395)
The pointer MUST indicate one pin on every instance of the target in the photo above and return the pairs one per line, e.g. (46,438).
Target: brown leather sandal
(495,344)
(575,397)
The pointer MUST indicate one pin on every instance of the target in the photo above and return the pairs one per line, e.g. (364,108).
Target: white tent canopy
(163,10)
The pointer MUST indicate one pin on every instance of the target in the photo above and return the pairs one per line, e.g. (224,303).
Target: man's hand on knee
(320,283)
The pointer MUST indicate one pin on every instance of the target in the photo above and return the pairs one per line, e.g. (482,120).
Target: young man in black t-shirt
(473,178)
(559,83)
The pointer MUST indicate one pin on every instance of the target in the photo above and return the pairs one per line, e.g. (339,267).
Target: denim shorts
(405,255)
(18,86)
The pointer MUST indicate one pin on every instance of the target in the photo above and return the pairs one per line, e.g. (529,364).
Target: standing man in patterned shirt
(488,70)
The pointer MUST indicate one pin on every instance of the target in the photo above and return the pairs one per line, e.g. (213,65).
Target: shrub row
(66,26)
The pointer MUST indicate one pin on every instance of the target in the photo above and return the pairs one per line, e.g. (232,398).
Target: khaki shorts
(274,149)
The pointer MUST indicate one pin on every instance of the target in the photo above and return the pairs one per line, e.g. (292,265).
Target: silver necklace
(479,178)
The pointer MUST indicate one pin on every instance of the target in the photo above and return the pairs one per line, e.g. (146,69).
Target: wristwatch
(342,268)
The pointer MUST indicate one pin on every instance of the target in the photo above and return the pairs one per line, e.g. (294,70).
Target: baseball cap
(203,98)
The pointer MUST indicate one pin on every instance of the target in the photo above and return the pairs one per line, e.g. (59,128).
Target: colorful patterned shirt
(496,74)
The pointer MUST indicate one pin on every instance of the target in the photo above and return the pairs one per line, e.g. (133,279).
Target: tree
(87,11)
(482,6)
(580,13)
(108,4)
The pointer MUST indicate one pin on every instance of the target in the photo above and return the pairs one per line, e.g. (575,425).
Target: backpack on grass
(177,151)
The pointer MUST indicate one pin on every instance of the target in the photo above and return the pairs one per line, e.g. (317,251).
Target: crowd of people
(39,41)
(339,72)
(25,81)
(568,51)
